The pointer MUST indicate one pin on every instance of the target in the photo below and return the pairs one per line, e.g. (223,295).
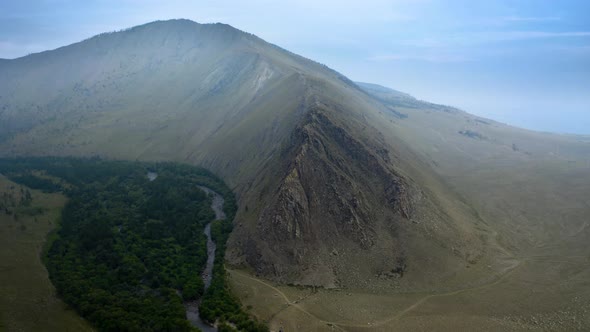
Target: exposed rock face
(337,194)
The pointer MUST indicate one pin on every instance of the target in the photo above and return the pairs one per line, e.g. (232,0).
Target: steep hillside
(349,210)
(531,187)
(338,186)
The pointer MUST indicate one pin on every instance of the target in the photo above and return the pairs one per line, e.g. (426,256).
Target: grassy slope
(170,91)
(533,204)
(27,297)
(443,222)
(533,194)
(532,200)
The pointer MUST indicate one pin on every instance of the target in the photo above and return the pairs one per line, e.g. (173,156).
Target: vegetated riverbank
(217,203)
(192,307)
(219,306)
(129,244)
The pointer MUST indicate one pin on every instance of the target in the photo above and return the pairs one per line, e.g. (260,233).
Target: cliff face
(341,214)
(334,175)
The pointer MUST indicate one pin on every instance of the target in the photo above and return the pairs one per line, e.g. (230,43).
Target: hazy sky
(525,62)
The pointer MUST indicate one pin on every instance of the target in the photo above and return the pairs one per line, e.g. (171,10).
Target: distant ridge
(382,89)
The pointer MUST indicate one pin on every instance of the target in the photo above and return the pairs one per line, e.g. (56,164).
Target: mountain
(340,184)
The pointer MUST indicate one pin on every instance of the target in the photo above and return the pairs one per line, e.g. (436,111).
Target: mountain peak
(157,34)
(182,23)
(180,28)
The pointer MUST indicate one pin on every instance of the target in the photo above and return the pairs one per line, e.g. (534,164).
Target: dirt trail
(516,262)
(506,273)
(289,302)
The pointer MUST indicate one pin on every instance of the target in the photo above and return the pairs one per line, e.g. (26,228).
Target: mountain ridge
(339,186)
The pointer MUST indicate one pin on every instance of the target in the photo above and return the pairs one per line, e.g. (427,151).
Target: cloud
(469,39)
(574,50)
(530,19)
(438,58)
(473,46)
(521,35)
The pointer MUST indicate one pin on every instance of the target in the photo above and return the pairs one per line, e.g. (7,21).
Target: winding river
(192,308)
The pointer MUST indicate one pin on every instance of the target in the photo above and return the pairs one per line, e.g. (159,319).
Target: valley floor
(535,293)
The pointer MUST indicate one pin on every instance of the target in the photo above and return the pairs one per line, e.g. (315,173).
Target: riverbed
(192,308)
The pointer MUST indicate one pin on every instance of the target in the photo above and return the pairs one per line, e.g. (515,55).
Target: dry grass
(534,204)
(27,298)
(525,298)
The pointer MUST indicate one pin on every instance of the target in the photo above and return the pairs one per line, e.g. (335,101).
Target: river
(192,308)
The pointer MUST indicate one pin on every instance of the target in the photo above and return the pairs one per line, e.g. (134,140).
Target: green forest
(130,250)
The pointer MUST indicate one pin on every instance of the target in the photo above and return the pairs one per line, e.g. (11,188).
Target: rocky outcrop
(336,196)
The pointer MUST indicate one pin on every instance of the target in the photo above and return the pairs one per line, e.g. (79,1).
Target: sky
(522,62)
